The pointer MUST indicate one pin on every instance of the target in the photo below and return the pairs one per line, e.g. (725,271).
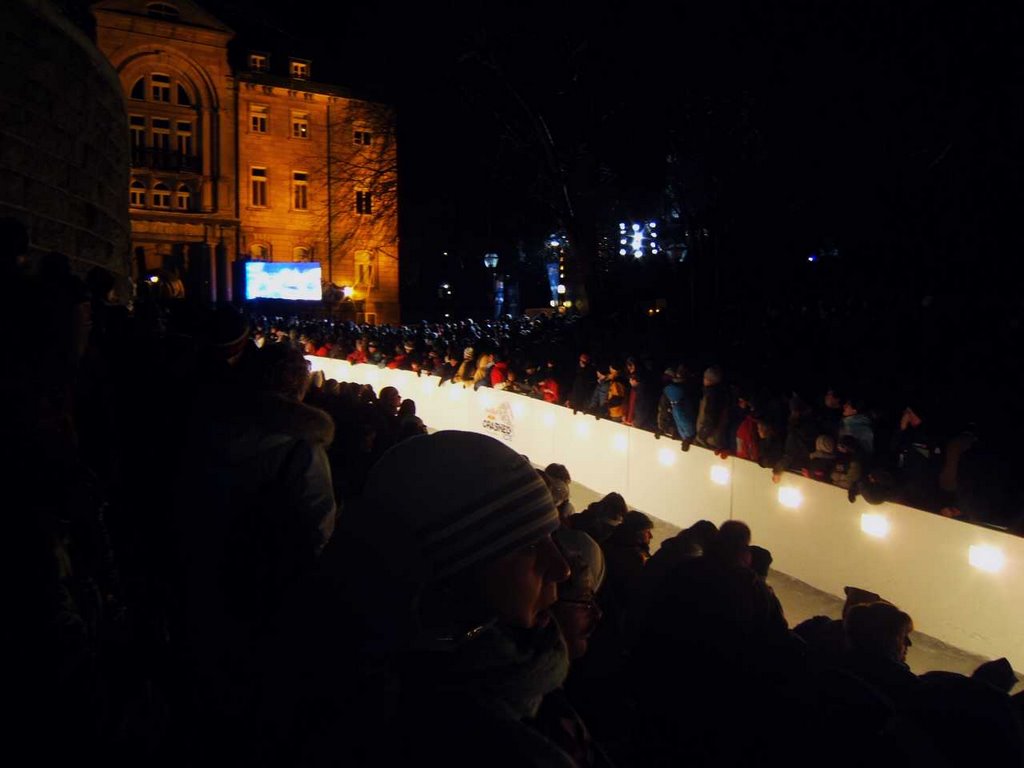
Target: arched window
(259,252)
(137,194)
(183,199)
(183,97)
(301,253)
(162,11)
(161,195)
(139,89)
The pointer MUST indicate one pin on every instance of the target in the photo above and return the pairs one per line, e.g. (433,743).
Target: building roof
(187,12)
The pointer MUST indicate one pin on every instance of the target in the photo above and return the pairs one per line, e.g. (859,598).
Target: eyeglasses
(590,605)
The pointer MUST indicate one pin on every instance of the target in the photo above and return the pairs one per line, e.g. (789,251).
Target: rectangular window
(299,69)
(184,135)
(366,275)
(258,118)
(300,126)
(137,127)
(160,87)
(300,185)
(364,202)
(161,196)
(161,134)
(137,194)
(258,62)
(184,197)
(259,187)
(362,138)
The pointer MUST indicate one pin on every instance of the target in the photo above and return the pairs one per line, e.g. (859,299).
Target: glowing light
(622,251)
(348,290)
(621,226)
(790,497)
(720,475)
(154,279)
(987,558)
(875,525)
(623,241)
(636,227)
(583,429)
(620,443)
(812,257)
(561,289)
(666,457)
(549,419)
(653,225)
(567,304)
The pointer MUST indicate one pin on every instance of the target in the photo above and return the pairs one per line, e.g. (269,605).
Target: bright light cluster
(790,497)
(637,239)
(987,558)
(874,524)
(720,475)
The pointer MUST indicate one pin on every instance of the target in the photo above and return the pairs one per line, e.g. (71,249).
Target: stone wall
(64,157)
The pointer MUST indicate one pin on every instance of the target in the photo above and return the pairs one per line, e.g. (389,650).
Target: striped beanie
(461,498)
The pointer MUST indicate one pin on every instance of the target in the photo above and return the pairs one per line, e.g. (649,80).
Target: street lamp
(491,262)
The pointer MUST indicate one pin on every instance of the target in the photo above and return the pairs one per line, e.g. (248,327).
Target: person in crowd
(849,469)
(577,613)
(770,445)
(255,509)
(601,518)
(599,395)
(916,460)
(467,579)
(712,418)
(615,405)
(677,410)
(499,371)
(374,356)
(482,374)
(801,433)
(746,430)
(583,384)
(547,387)
(857,424)
(467,368)
(626,550)
(565,508)
(878,637)
(822,460)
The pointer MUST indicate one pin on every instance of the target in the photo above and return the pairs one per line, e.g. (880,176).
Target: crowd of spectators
(226,560)
(898,446)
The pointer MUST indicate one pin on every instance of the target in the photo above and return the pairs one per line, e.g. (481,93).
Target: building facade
(253,162)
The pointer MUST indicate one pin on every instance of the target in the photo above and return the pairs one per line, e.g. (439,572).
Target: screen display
(283,280)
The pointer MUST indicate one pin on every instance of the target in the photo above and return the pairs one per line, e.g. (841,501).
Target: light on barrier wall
(620,443)
(583,429)
(455,392)
(427,385)
(720,475)
(549,419)
(987,558)
(790,497)
(666,457)
(874,524)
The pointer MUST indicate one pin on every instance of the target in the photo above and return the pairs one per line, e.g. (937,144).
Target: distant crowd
(906,453)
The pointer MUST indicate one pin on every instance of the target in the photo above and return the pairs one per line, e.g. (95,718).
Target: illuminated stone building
(257,161)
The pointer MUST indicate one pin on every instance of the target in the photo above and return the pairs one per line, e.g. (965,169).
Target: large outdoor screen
(296,280)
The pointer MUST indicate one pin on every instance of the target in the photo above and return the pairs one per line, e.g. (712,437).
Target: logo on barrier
(499,420)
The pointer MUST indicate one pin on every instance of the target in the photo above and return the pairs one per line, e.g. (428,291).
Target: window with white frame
(258,62)
(161,131)
(364,202)
(299,69)
(137,129)
(183,198)
(183,135)
(300,125)
(161,195)
(258,177)
(362,137)
(300,190)
(137,194)
(160,87)
(258,118)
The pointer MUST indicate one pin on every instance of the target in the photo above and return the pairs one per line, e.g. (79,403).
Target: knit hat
(467,353)
(586,561)
(713,374)
(461,498)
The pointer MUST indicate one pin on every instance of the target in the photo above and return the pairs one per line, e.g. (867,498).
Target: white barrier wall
(963,584)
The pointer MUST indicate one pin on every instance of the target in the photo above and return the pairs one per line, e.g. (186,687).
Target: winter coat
(859,427)
(747,444)
(712,418)
(682,410)
(582,388)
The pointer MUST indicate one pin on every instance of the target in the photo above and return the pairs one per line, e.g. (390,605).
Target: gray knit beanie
(461,497)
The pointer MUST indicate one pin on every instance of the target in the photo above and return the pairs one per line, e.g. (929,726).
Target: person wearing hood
(857,424)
